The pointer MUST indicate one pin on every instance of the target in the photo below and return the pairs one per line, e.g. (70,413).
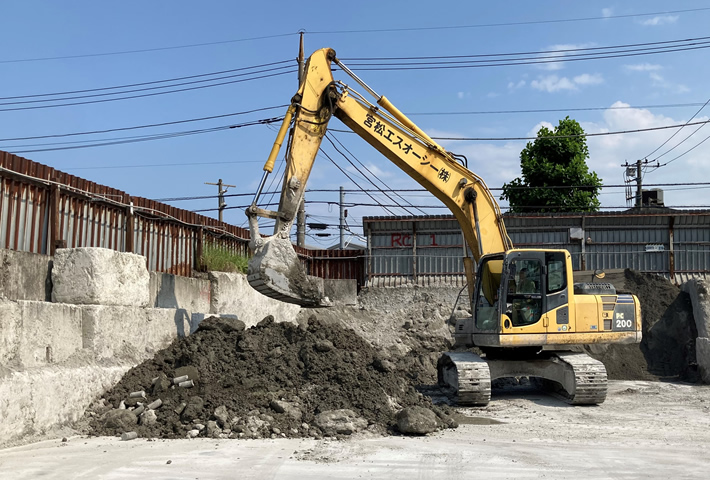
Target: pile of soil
(668,346)
(274,379)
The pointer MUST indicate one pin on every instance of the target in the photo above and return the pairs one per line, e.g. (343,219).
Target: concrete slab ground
(643,430)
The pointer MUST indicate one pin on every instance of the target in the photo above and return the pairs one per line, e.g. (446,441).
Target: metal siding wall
(615,241)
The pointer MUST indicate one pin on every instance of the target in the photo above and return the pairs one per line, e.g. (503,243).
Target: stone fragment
(119,419)
(213,430)
(343,422)
(149,417)
(193,409)
(417,421)
(221,415)
(289,408)
(161,384)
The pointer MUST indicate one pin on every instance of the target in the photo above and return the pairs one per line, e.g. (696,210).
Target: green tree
(555,159)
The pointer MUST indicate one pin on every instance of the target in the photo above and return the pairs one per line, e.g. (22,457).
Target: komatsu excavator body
(526,310)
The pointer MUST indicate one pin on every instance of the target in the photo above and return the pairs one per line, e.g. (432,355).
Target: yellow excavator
(526,310)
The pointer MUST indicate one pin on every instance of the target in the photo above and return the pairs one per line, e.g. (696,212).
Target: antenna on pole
(220,195)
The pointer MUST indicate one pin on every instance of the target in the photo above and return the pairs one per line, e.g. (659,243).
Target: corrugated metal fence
(42,209)
(675,244)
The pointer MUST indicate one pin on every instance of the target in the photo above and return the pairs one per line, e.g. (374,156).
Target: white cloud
(607,12)
(643,67)
(589,79)
(515,86)
(661,82)
(533,131)
(460,95)
(660,20)
(559,50)
(553,83)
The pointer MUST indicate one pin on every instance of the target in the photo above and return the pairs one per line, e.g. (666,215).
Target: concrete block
(10,332)
(174,291)
(232,294)
(702,354)
(99,276)
(50,332)
(35,401)
(25,276)
(698,291)
(341,292)
(131,332)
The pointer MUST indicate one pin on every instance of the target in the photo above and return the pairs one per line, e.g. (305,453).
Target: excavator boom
(273,269)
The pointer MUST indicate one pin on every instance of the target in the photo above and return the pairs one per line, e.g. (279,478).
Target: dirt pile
(668,345)
(275,379)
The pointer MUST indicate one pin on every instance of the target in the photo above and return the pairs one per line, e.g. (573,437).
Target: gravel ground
(645,429)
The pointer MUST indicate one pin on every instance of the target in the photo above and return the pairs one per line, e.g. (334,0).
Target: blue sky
(52,47)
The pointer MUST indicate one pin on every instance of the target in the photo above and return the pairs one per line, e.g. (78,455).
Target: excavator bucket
(276,271)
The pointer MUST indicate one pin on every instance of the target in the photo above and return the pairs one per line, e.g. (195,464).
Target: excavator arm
(274,269)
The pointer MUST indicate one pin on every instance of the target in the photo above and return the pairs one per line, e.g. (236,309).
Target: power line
(136,127)
(507,24)
(368,178)
(553,110)
(145,50)
(144,138)
(199,87)
(153,82)
(677,132)
(534,53)
(600,134)
(421,190)
(528,60)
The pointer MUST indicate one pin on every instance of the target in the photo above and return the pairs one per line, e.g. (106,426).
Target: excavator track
(575,378)
(466,378)
(590,379)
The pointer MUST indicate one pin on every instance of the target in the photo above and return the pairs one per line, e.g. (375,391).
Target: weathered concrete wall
(231,294)
(99,276)
(25,276)
(34,401)
(34,334)
(172,291)
(130,332)
(697,289)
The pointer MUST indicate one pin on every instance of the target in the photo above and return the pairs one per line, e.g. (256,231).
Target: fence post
(130,226)
(198,249)
(54,240)
(671,253)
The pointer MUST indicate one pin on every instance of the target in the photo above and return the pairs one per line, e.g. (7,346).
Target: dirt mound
(275,379)
(668,345)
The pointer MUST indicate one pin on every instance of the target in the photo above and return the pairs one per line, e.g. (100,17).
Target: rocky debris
(119,419)
(273,380)
(342,422)
(417,421)
(225,324)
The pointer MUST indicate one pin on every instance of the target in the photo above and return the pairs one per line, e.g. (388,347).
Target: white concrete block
(232,294)
(174,291)
(10,332)
(131,332)
(702,355)
(51,332)
(99,276)
(35,401)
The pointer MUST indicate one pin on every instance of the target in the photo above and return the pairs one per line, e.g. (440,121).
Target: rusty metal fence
(42,209)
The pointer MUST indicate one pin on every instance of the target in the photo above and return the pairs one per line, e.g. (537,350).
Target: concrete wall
(700,298)
(55,358)
(25,276)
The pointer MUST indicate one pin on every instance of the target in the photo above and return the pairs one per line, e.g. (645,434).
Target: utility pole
(301,216)
(631,174)
(220,195)
(342,218)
